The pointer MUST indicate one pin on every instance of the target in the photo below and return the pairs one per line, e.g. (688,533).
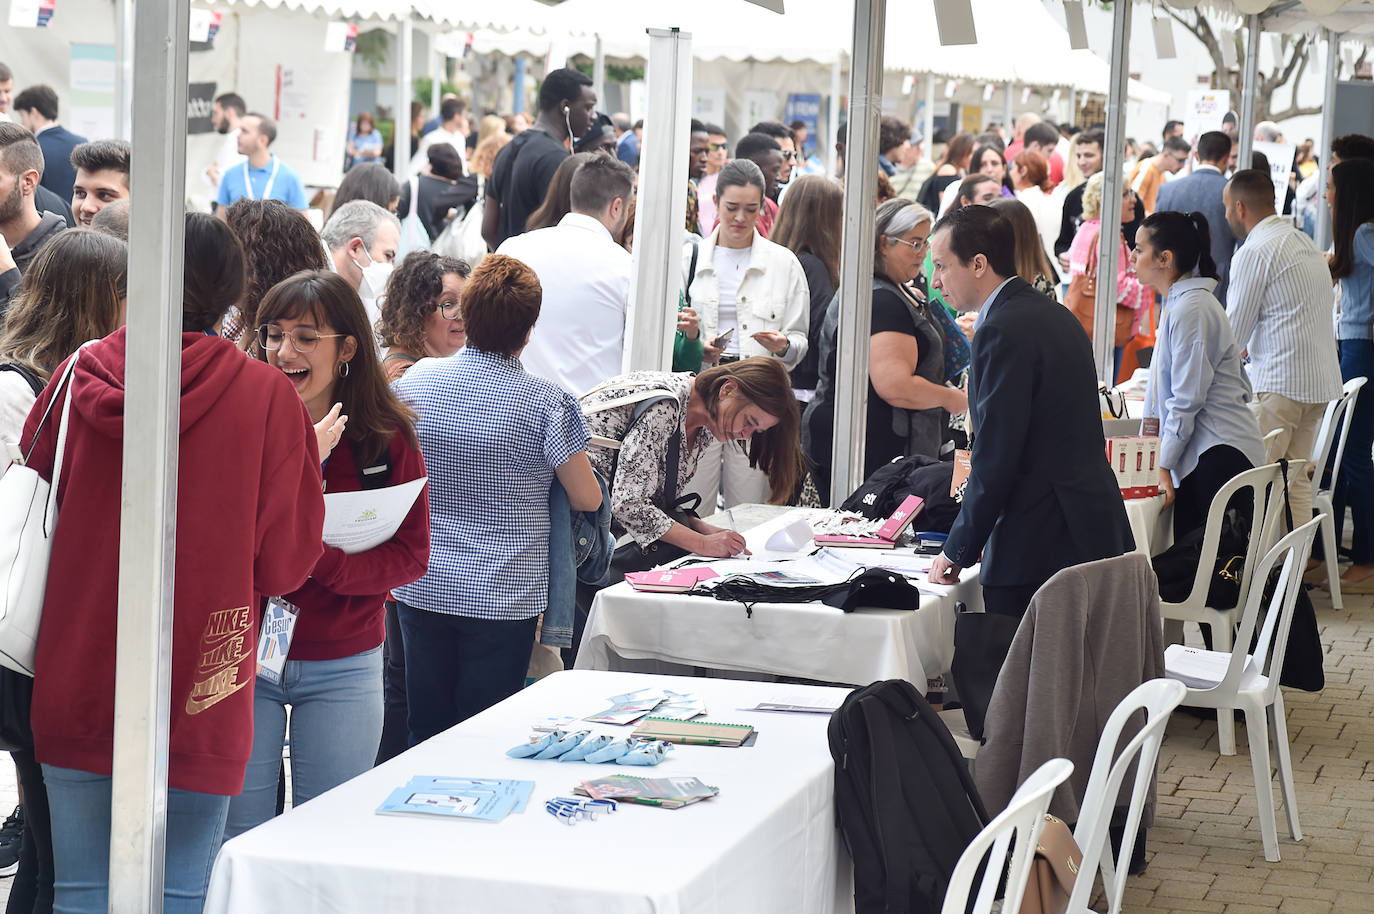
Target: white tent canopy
(1349,17)
(730,30)
(457,14)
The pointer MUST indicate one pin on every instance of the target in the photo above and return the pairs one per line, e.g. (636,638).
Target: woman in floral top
(749,402)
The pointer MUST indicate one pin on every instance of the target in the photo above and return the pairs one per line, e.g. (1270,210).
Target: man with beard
(229,108)
(23,230)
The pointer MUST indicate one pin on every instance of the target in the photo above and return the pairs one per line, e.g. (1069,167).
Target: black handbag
(1177,566)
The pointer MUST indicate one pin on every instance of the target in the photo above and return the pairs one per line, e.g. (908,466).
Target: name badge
(274,643)
(1149,427)
(963,467)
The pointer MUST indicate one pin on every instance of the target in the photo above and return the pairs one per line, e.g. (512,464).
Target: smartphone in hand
(723,338)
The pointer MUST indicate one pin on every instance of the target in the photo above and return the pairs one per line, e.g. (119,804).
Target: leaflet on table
(631,706)
(801,704)
(486,799)
(670,793)
(359,521)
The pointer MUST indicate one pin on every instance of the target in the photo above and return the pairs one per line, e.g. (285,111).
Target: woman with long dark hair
(1198,389)
(809,224)
(1352,265)
(558,198)
(313,328)
(953,167)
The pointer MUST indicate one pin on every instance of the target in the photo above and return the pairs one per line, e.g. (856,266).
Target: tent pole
(929,131)
(1249,91)
(1114,182)
(436,78)
(124,71)
(1007,109)
(833,116)
(856,249)
(405,47)
(517,105)
(599,73)
(147,524)
(657,271)
(1333,64)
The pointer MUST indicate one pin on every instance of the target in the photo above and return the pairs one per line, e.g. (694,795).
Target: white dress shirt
(228,157)
(580,336)
(1279,303)
(457,140)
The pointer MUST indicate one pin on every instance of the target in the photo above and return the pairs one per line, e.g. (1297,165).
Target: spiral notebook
(694,732)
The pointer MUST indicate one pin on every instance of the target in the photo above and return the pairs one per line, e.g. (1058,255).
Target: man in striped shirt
(1280,302)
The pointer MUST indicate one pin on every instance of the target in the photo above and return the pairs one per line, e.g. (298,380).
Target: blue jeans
(457,666)
(1356,484)
(336,724)
(80,804)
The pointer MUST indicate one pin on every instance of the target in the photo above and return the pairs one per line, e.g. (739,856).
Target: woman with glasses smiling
(909,401)
(314,329)
(421,313)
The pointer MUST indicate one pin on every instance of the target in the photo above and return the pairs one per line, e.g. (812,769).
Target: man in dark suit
(1041,496)
(37,107)
(1201,192)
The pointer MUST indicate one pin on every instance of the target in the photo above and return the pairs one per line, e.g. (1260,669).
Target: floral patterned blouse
(636,472)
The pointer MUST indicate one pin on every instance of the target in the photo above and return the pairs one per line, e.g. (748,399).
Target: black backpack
(906,803)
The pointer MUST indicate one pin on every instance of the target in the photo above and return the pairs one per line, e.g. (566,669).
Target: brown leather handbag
(1081,299)
(1054,870)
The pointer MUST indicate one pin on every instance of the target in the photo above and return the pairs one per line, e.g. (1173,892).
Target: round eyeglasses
(303,339)
(449,310)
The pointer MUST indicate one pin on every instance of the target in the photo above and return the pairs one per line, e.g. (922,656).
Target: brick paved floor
(1205,847)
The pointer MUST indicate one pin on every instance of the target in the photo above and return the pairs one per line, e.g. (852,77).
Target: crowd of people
(467,325)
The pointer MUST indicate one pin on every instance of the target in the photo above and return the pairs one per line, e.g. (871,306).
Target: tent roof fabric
(505,16)
(1354,18)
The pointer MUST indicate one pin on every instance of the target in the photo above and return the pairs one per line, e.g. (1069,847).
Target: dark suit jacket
(1041,495)
(1201,192)
(59,174)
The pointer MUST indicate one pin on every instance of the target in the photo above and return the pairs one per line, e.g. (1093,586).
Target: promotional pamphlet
(484,799)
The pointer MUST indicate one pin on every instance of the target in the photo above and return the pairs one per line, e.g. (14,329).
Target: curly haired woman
(421,314)
(278,242)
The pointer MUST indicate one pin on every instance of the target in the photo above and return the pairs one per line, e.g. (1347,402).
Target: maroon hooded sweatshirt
(249,515)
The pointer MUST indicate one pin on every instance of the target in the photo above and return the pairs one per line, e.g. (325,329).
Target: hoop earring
(343,369)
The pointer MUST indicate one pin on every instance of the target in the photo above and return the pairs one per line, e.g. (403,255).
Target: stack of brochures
(485,799)
(693,732)
(631,706)
(670,793)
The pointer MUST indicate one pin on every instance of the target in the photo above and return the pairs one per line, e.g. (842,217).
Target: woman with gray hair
(909,401)
(751,299)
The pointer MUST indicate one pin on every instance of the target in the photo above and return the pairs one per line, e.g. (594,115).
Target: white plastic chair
(1251,682)
(1333,431)
(1024,817)
(1271,445)
(1157,698)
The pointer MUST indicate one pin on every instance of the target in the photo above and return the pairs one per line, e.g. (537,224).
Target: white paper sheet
(357,521)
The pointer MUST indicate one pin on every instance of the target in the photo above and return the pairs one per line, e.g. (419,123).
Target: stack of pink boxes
(1135,461)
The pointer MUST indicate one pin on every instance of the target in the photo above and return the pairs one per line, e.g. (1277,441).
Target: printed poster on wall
(340,37)
(293,94)
(1206,108)
(804,107)
(200,105)
(708,106)
(759,106)
(91,107)
(31,14)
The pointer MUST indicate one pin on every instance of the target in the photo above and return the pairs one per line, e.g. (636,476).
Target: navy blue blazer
(1041,495)
(59,174)
(1201,192)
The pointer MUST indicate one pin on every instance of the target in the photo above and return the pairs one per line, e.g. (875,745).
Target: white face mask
(375,275)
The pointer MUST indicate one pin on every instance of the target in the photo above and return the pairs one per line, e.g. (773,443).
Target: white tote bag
(28,516)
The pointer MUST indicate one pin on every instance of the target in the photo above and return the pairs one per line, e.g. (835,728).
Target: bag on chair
(28,516)
(906,803)
(1054,870)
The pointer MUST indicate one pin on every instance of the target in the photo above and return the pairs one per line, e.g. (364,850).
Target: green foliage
(615,73)
(373,47)
(424,85)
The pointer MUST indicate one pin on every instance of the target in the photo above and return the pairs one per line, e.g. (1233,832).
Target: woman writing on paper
(747,404)
(314,329)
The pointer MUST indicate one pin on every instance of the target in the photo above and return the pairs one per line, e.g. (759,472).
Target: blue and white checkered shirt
(492,436)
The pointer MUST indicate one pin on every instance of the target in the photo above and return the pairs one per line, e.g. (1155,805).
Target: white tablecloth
(805,640)
(767,843)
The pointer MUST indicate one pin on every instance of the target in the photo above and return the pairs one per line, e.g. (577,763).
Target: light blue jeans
(80,805)
(336,725)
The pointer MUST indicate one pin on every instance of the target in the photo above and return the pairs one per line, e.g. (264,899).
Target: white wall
(250,46)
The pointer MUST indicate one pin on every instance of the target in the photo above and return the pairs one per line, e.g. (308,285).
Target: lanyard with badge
(271,180)
(274,641)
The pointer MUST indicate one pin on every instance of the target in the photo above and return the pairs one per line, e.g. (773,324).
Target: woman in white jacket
(751,298)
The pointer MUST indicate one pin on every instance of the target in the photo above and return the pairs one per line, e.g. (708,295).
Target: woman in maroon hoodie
(313,328)
(249,516)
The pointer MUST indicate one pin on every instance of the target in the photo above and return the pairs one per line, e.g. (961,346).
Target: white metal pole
(405,47)
(929,130)
(1007,107)
(856,248)
(124,68)
(599,74)
(832,117)
(1333,63)
(148,498)
(662,206)
(1114,181)
(436,79)
(1249,91)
